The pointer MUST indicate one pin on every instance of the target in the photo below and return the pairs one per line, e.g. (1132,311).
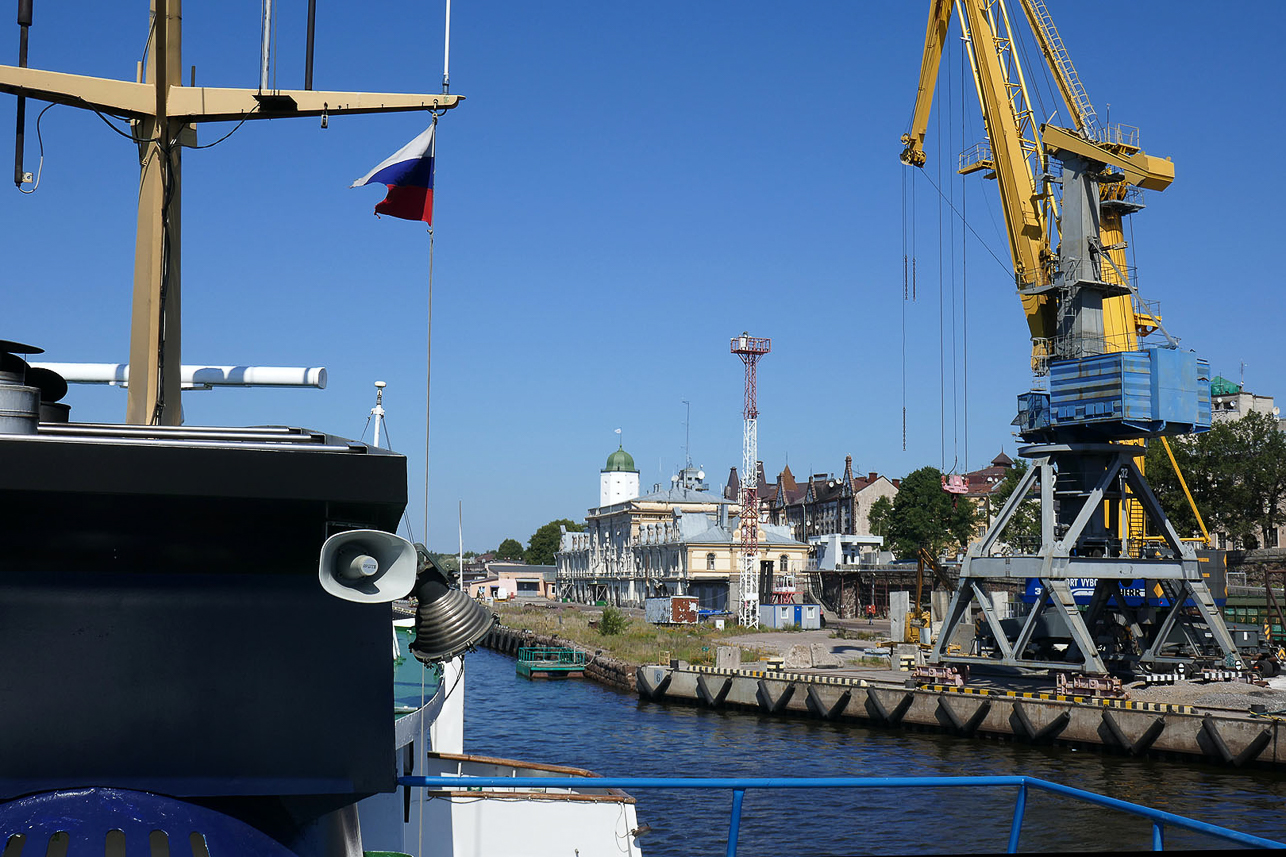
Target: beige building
(509,580)
(1229,401)
(678,541)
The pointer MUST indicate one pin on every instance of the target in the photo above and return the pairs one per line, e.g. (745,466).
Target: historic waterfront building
(682,540)
(981,487)
(822,506)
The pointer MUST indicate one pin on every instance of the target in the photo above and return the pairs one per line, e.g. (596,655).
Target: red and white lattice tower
(750,349)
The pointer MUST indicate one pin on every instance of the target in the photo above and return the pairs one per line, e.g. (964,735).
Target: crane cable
(908,278)
(947,254)
(904,294)
(955,400)
(964,261)
(942,352)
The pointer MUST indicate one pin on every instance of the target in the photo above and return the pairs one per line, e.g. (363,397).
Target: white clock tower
(619,480)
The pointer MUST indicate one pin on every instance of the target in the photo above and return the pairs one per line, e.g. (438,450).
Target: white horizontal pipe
(195,377)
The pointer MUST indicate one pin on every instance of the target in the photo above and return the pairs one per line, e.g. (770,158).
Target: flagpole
(428,364)
(428,351)
(446,53)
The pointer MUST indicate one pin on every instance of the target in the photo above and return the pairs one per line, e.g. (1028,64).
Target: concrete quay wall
(600,668)
(1136,728)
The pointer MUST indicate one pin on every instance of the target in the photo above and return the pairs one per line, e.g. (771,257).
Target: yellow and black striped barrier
(847,681)
(1159,707)
(844,681)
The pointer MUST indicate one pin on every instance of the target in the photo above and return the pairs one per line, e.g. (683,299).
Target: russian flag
(408,173)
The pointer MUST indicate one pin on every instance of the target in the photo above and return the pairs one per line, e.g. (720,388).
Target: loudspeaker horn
(447,621)
(367,566)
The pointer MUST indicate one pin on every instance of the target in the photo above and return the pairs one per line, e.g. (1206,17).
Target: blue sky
(626,187)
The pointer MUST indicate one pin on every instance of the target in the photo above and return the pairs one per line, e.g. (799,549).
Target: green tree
(1165,483)
(509,549)
(1236,473)
(1023,531)
(544,542)
(924,515)
(878,517)
(613,622)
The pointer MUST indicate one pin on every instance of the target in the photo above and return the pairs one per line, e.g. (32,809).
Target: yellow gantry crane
(1017,155)
(1064,191)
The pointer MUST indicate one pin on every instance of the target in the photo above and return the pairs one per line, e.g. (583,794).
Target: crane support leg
(1140,612)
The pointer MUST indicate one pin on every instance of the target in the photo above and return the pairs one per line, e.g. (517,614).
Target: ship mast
(163,114)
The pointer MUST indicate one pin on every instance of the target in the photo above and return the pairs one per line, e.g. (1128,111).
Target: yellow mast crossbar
(163,112)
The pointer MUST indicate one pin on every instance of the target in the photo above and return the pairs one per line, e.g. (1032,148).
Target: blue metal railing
(1159,818)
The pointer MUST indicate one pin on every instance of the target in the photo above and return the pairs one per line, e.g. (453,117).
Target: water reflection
(586,725)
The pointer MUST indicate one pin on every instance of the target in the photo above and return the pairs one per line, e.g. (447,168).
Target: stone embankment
(601,668)
(1168,729)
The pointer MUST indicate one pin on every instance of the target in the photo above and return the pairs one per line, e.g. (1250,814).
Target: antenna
(687,435)
(308,49)
(24,21)
(378,411)
(265,45)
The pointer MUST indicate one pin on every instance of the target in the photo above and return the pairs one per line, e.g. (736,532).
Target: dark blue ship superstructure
(154,584)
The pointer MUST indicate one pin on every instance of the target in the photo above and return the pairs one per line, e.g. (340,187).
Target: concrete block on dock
(939,601)
(727,657)
(899,606)
(904,651)
(823,659)
(798,658)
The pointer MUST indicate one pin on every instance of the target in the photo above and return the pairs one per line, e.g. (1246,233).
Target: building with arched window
(681,540)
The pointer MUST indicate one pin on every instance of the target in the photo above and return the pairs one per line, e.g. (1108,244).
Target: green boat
(551,662)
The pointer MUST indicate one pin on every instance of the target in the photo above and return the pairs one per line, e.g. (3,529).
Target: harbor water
(583,724)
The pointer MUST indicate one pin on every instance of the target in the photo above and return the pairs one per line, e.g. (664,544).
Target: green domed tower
(619,479)
(620,462)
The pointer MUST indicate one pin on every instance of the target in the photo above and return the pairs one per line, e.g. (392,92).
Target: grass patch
(636,643)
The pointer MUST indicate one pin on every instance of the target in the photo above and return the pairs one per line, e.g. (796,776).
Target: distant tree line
(540,549)
(1236,473)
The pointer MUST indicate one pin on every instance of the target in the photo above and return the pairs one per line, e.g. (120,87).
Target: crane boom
(1015,148)
(1018,153)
